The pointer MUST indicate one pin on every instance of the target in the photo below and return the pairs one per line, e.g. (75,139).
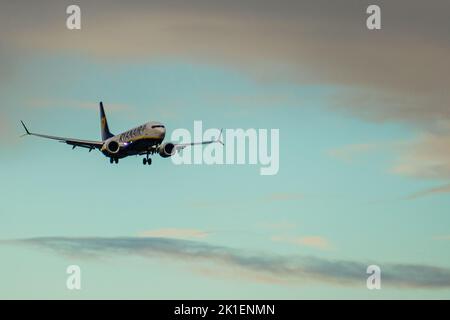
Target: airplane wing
(181,146)
(89,144)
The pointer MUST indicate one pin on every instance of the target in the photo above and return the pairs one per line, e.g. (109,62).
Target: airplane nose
(162,132)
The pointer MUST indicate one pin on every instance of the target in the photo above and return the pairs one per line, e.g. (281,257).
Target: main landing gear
(113,160)
(147,160)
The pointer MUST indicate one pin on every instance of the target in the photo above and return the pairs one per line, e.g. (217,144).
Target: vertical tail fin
(106,134)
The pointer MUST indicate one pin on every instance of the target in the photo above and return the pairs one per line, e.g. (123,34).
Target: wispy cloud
(429,192)
(427,156)
(317,242)
(348,153)
(279,225)
(294,269)
(225,203)
(53,103)
(442,238)
(272,43)
(6,135)
(175,233)
(288,39)
(284,196)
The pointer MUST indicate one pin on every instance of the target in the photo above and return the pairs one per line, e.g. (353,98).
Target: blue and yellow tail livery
(106,134)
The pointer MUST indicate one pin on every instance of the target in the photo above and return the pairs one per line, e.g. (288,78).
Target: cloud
(47,103)
(284,196)
(349,152)
(271,197)
(8,137)
(400,72)
(427,156)
(281,225)
(3,125)
(316,242)
(292,269)
(445,238)
(175,233)
(432,191)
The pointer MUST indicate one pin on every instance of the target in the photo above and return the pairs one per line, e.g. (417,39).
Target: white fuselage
(138,140)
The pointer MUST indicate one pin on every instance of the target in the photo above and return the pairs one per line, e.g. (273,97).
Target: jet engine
(167,150)
(112,147)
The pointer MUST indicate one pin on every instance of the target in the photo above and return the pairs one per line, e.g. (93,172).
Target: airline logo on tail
(103,122)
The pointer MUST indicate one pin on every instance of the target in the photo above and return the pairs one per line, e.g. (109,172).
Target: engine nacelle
(167,150)
(113,147)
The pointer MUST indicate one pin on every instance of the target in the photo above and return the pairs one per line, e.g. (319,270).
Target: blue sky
(337,196)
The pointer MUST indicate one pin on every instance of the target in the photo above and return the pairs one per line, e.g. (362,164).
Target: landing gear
(113,160)
(147,161)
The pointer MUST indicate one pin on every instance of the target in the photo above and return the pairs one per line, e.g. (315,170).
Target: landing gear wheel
(149,161)
(116,160)
(144,161)
(111,160)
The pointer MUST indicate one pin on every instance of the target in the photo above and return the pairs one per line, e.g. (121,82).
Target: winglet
(26,129)
(219,138)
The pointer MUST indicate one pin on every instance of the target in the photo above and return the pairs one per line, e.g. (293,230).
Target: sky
(364,174)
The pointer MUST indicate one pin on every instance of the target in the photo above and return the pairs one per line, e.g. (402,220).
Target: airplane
(146,139)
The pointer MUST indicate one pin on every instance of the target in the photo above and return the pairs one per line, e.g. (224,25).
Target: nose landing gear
(113,160)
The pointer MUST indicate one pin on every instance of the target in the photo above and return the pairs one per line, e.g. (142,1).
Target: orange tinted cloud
(316,242)
(175,233)
(427,156)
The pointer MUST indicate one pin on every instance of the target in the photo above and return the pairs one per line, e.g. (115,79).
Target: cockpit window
(157,126)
